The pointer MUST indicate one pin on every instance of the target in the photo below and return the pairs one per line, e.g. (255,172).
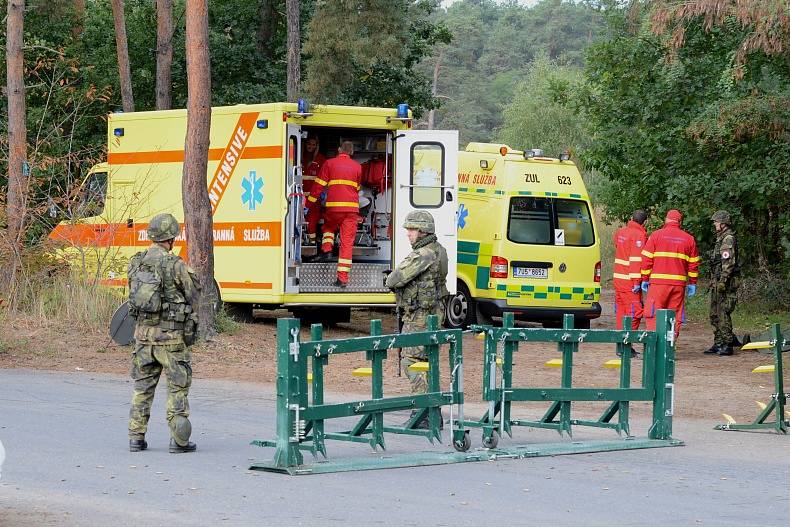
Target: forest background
(663,104)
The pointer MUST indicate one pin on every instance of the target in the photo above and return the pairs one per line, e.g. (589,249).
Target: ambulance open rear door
(426,178)
(295,199)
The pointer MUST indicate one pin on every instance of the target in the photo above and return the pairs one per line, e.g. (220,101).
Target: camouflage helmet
(163,227)
(722,216)
(420,220)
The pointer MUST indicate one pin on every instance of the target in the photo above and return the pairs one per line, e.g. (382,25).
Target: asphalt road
(68,464)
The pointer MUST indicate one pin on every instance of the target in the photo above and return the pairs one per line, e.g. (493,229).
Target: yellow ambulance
(527,241)
(254,181)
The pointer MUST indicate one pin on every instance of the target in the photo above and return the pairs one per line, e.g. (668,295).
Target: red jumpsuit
(670,262)
(342,175)
(628,243)
(310,171)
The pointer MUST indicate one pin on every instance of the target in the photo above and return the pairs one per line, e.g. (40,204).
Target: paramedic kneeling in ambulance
(343,176)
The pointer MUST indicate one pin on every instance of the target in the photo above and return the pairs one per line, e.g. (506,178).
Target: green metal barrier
(657,379)
(778,398)
(300,421)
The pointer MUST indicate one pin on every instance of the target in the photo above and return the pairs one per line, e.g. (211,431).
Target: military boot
(175,448)
(725,351)
(712,350)
(137,445)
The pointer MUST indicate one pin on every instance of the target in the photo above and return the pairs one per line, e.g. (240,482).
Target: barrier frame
(301,418)
(779,397)
(657,378)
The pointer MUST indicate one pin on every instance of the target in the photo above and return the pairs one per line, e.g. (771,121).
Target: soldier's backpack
(145,285)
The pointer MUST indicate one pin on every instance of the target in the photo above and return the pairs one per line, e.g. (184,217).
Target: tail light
(498,267)
(598,272)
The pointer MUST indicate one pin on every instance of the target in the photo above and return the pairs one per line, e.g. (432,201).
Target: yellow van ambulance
(254,182)
(527,241)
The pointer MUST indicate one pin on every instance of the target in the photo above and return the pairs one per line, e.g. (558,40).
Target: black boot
(712,350)
(137,445)
(725,351)
(175,448)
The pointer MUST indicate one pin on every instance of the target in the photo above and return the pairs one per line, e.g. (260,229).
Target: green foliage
(364,52)
(680,130)
(543,112)
(494,45)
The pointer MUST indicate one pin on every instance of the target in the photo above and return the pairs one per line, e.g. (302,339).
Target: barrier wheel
(464,444)
(491,442)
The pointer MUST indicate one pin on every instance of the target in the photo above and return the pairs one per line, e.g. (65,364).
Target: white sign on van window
(559,236)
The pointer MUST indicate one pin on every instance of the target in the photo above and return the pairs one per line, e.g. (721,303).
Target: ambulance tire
(461,310)
(239,312)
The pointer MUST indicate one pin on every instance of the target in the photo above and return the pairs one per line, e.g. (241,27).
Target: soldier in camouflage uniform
(725,279)
(419,285)
(159,338)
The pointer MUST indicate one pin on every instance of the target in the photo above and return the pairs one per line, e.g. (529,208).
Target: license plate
(530,272)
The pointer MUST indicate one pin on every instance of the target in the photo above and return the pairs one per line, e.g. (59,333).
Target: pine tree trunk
(197,208)
(294,49)
(435,88)
(164,53)
(16,198)
(122,48)
(79,12)
(266,29)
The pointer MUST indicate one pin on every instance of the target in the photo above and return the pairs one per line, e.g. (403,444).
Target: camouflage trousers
(722,304)
(417,379)
(148,361)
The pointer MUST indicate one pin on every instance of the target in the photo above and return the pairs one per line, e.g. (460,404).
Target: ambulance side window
(529,221)
(427,175)
(574,218)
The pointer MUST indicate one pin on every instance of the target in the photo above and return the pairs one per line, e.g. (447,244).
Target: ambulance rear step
(364,278)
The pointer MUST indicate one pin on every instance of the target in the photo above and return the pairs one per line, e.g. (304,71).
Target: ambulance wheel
(239,312)
(460,311)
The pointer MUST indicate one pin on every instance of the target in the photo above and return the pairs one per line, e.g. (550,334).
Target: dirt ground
(706,385)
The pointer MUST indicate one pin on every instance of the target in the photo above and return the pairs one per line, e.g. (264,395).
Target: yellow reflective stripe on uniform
(669,276)
(342,268)
(344,182)
(693,274)
(621,262)
(312,199)
(694,259)
(308,178)
(320,181)
(634,275)
(328,236)
(635,258)
(681,256)
(646,271)
(622,276)
(344,261)
(354,204)
(648,254)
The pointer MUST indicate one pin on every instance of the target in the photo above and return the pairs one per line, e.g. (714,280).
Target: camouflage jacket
(724,258)
(180,294)
(419,281)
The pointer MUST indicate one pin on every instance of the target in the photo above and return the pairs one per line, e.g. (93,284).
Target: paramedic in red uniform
(312,160)
(342,176)
(670,267)
(628,244)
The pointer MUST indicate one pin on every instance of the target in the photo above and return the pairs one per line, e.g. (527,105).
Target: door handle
(448,196)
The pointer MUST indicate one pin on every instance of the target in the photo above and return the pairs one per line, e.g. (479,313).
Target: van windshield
(550,221)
